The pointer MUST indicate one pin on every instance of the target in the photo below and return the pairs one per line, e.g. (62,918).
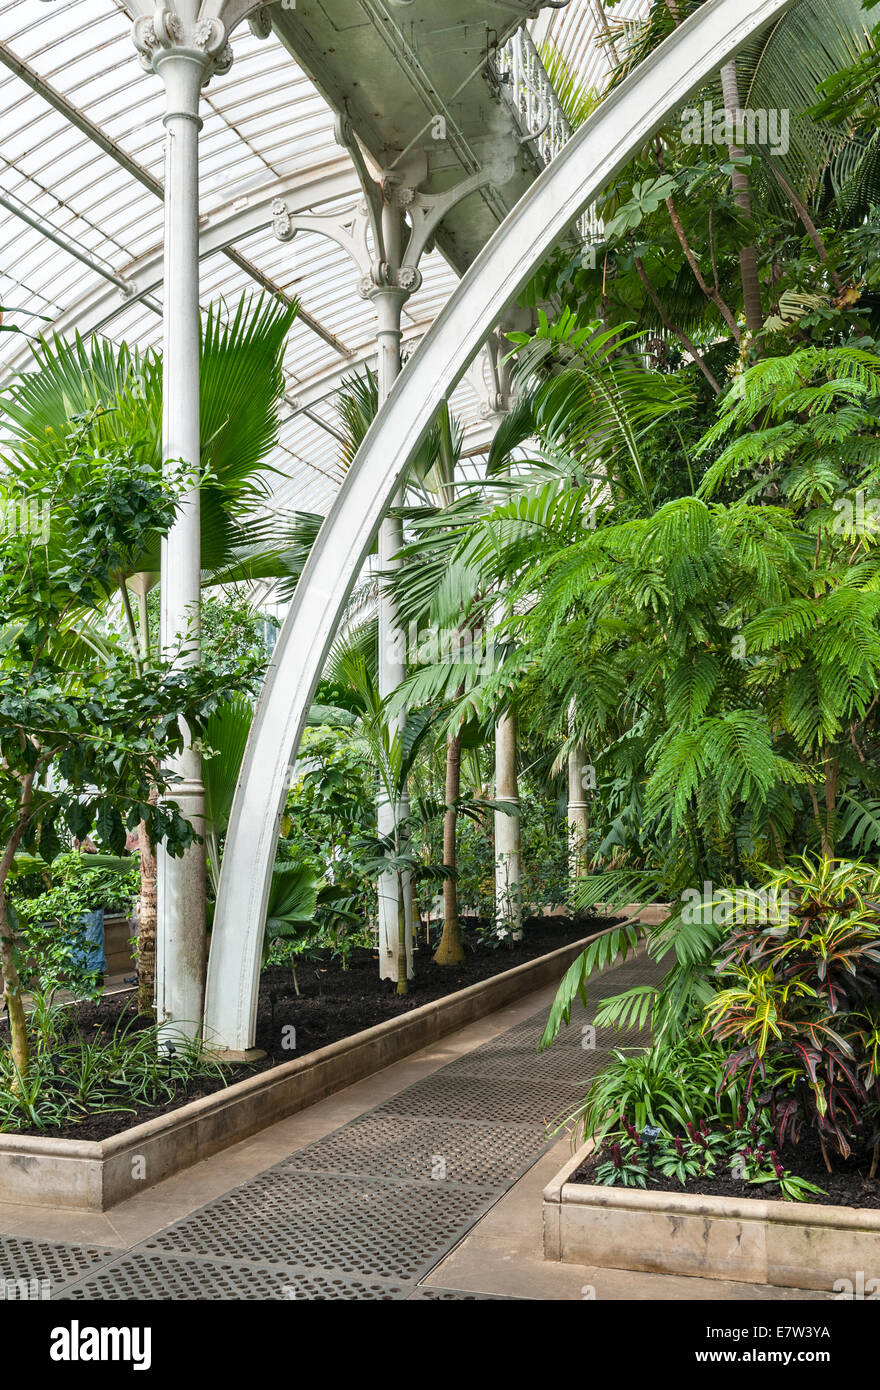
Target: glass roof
(81,204)
(587,36)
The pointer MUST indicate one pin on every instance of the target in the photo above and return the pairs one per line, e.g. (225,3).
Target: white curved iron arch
(599,150)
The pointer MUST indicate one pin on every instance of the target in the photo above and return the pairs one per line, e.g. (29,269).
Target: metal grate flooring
(369,1210)
(24,1262)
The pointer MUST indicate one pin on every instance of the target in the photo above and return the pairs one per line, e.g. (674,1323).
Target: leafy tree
(119,392)
(706,241)
(79,755)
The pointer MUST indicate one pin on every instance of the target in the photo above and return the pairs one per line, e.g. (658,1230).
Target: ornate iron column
(387,252)
(185,51)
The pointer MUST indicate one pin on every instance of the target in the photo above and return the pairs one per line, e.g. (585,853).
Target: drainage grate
(22,1259)
(356,1225)
(405,1146)
(161,1277)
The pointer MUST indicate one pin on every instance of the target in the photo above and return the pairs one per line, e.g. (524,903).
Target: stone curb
(97,1175)
(786,1244)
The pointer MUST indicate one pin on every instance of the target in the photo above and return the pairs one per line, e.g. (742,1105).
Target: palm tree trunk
(739,182)
(402,980)
(508,864)
(578,813)
(451,950)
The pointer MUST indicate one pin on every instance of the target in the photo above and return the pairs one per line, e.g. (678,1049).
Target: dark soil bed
(332,1004)
(848,1186)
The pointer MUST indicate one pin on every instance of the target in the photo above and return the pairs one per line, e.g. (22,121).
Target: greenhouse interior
(440,659)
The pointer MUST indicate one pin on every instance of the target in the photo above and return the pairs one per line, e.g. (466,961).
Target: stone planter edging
(748,1240)
(96,1175)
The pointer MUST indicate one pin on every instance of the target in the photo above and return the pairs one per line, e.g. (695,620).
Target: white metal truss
(620,127)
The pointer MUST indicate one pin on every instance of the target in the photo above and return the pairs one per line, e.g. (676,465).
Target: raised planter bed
(792,1244)
(96,1175)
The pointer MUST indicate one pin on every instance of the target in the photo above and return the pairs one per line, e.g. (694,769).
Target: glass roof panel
(82,154)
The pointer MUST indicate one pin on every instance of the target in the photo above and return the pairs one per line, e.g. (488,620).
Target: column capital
(165,32)
(387,281)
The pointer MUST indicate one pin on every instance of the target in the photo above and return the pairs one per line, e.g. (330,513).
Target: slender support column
(389,301)
(578,811)
(508,904)
(181,941)
(184,52)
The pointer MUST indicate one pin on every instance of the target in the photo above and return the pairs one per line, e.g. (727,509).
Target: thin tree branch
(709,291)
(673,328)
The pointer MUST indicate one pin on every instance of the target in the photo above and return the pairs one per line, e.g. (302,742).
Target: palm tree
(587,400)
(121,391)
(393,752)
(431,479)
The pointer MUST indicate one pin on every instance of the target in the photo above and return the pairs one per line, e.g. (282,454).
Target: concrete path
(422,1182)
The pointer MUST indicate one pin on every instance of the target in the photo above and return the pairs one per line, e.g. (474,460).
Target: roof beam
(302,316)
(218,230)
(81,121)
(23,212)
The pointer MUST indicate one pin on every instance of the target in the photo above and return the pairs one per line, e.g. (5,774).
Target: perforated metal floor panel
(431,1149)
(145,1276)
(356,1225)
(467,1096)
(459,1296)
(367,1211)
(37,1269)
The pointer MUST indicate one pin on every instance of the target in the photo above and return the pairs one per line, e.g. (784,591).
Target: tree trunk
(508,865)
(809,227)
(146,952)
(402,980)
(12,996)
(450,950)
(683,338)
(739,182)
(147,920)
(711,292)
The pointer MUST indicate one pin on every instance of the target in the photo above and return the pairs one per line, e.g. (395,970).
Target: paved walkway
(369,1208)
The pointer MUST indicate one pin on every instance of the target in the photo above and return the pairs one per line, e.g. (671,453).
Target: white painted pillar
(389,301)
(181,947)
(184,50)
(579,771)
(508,907)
